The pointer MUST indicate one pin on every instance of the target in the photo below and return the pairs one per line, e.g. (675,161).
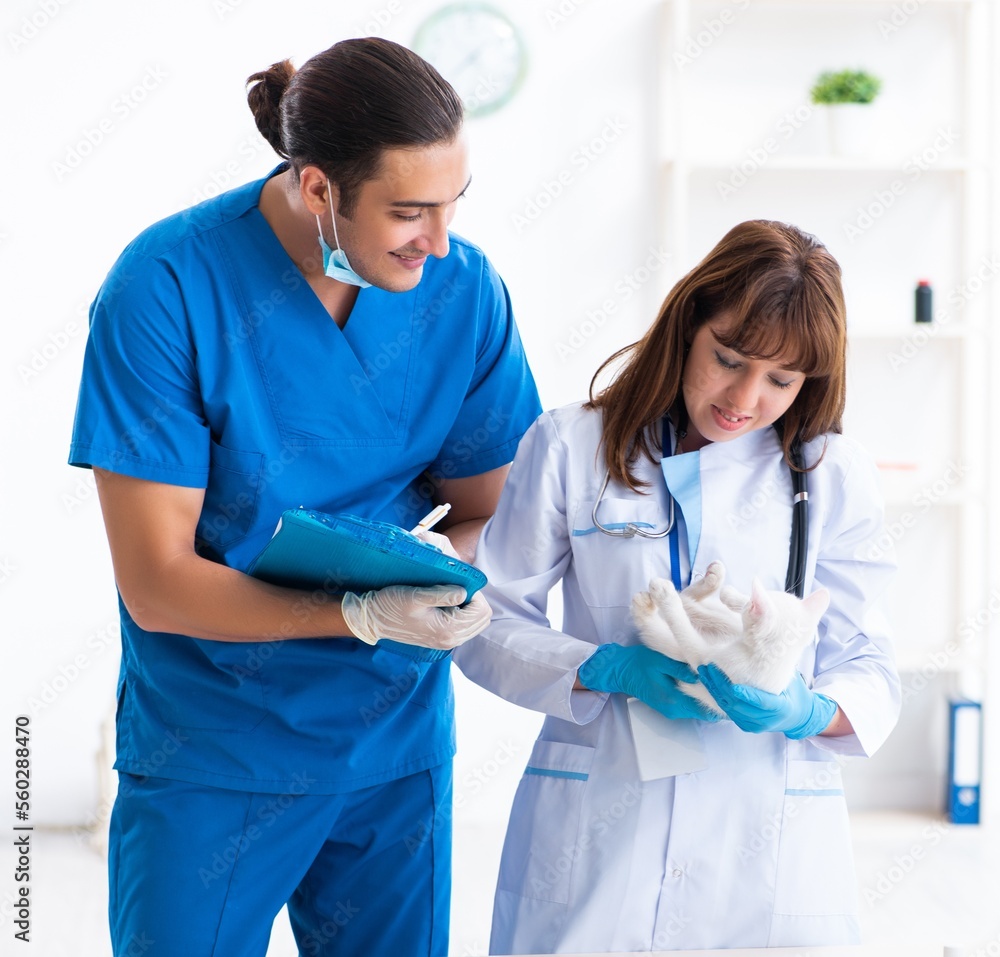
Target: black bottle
(923,301)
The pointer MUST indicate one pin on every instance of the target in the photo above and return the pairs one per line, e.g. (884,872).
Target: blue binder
(338,553)
(964,761)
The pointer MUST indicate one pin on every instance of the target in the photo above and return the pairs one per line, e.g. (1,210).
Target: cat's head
(781,621)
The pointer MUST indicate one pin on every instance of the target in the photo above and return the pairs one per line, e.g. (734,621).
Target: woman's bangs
(788,337)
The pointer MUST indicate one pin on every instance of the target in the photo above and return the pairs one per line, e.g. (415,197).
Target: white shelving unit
(739,139)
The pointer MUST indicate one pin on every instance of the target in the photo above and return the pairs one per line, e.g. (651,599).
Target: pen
(431,518)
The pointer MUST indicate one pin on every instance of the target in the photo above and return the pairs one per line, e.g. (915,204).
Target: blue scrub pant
(199,871)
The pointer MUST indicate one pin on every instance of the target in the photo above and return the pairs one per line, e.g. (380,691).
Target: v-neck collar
(326,384)
(254,209)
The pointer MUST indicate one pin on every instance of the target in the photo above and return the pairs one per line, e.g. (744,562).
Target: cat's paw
(661,590)
(645,610)
(668,602)
(654,632)
(715,575)
(642,606)
(708,584)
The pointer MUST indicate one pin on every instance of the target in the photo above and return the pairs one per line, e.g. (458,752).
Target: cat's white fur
(756,641)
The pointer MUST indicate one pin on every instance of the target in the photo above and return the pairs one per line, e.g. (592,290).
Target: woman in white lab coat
(648,828)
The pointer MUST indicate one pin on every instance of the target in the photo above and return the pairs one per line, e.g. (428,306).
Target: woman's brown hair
(782,289)
(348,104)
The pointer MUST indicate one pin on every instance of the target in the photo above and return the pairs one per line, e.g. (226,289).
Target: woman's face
(728,394)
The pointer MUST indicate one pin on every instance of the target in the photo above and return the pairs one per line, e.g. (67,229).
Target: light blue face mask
(335,264)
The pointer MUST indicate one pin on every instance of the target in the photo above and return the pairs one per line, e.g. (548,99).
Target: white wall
(74,195)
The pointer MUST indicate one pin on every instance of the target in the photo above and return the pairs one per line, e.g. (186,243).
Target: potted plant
(846,96)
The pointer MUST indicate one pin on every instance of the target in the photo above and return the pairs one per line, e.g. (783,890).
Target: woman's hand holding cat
(645,674)
(797,711)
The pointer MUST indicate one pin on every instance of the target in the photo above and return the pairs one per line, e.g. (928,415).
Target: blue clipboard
(338,553)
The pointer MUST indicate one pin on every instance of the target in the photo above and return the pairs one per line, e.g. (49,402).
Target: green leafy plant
(846,86)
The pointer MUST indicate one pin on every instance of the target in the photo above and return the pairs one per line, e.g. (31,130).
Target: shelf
(917,397)
(933,659)
(823,164)
(930,330)
(846,3)
(920,487)
(895,499)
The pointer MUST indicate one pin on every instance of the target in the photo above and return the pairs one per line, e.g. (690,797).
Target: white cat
(755,641)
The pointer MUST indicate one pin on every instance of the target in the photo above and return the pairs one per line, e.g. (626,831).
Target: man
(316,338)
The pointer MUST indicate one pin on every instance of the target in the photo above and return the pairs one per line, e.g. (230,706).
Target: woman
(637,829)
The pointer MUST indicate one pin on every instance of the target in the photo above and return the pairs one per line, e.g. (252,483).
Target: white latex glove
(442,542)
(425,616)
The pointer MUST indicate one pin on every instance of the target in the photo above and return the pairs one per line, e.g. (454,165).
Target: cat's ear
(760,604)
(817,603)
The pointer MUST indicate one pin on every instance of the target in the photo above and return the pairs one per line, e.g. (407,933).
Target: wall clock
(478,49)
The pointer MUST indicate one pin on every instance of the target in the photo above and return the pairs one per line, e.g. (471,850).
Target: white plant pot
(852,129)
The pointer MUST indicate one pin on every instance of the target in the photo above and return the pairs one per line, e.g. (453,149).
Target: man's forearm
(196,597)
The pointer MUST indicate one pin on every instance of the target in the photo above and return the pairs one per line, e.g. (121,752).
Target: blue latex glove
(645,674)
(797,711)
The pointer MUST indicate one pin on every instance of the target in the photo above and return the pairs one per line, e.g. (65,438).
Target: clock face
(478,50)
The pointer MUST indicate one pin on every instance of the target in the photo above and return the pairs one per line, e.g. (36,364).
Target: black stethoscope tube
(795,577)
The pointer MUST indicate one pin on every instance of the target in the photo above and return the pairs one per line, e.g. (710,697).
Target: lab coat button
(677,872)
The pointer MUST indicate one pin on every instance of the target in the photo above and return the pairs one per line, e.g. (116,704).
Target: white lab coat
(754,850)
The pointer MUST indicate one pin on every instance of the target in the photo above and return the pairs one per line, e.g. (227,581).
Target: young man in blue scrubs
(315,338)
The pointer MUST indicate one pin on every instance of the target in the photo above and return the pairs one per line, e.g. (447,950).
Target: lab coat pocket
(543,840)
(611,569)
(815,864)
(231,497)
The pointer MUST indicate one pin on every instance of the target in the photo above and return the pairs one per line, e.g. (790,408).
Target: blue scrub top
(211,364)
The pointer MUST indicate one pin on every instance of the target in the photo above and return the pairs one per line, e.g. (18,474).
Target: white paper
(664,747)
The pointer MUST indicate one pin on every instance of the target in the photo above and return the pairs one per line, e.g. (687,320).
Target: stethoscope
(795,576)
